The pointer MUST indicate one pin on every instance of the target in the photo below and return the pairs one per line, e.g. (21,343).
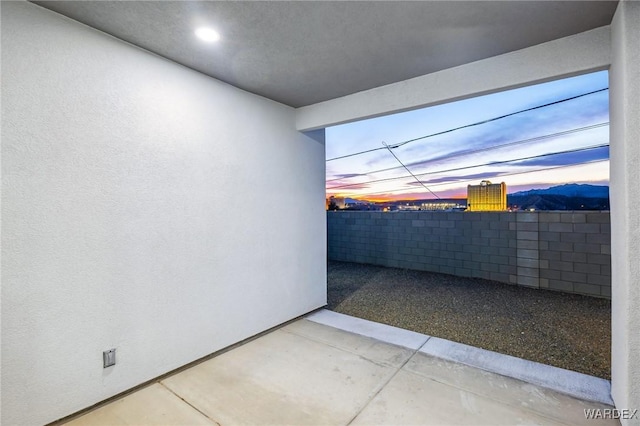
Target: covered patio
(332,369)
(164,199)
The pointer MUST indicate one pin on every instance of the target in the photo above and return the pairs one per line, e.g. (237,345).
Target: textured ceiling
(304,52)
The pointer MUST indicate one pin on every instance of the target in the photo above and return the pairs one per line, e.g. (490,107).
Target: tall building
(487,197)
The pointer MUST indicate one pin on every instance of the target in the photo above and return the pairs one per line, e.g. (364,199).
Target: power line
(470,125)
(493,163)
(490,177)
(490,148)
(407,169)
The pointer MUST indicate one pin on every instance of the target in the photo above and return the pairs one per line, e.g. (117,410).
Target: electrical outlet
(109,358)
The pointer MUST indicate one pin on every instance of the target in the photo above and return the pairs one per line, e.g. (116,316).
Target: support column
(625,214)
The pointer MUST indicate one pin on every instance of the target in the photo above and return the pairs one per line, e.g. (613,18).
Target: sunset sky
(442,163)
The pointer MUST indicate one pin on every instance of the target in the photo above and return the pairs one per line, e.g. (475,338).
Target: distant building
(339,202)
(487,197)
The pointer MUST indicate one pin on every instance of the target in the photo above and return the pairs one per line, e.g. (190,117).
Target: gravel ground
(566,330)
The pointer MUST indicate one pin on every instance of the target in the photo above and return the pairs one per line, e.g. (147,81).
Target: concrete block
(528,263)
(498,226)
(549,236)
(550,274)
(605,292)
(527,244)
(573,237)
(489,233)
(482,274)
(460,255)
(605,228)
(528,272)
(573,217)
(598,217)
(549,254)
(560,227)
(587,228)
(447,254)
(411,244)
(548,217)
(513,279)
(587,268)
(505,234)
(499,260)
(527,235)
(572,256)
(560,246)
(490,267)
(587,248)
(498,242)
(599,280)
(561,285)
(576,277)
(455,232)
(507,251)
(605,269)
(446,239)
(497,276)
(480,225)
(600,259)
(417,237)
(417,252)
(529,254)
(507,269)
(599,238)
(463,272)
(513,226)
(417,223)
(590,289)
(464,224)
(528,281)
(474,266)
(527,226)
(479,241)
(543,227)
(543,245)
(526,217)
(561,266)
(447,270)
(507,217)
(544,264)
(447,224)
(544,283)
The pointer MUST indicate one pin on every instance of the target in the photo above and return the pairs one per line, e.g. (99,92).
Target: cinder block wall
(564,251)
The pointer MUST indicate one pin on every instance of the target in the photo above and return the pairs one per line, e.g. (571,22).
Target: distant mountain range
(570,190)
(571,196)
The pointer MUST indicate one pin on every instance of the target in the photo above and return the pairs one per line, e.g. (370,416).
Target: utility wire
(407,169)
(468,152)
(489,177)
(471,125)
(492,163)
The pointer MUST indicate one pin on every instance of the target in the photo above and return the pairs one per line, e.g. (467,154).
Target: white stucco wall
(145,207)
(568,56)
(625,216)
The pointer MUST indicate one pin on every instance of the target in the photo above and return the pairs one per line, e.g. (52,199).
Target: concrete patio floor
(332,369)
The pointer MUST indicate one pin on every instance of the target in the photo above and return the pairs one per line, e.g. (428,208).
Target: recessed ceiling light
(207,34)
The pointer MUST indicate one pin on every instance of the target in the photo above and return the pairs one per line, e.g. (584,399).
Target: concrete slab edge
(386,333)
(564,381)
